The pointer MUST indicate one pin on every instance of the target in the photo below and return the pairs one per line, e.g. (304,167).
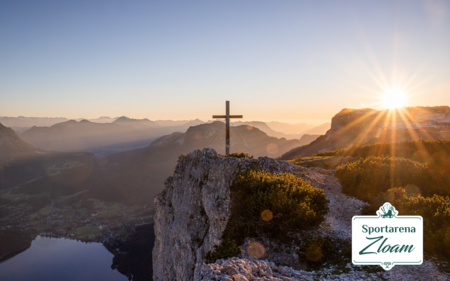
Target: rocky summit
(193,210)
(364,126)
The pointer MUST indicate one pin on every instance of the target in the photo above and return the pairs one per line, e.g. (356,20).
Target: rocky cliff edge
(193,210)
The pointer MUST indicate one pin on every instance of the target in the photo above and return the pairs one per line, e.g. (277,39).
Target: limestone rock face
(193,210)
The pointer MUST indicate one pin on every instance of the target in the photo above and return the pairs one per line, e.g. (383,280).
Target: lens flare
(255,250)
(313,253)
(272,148)
(266,215)
(412,190)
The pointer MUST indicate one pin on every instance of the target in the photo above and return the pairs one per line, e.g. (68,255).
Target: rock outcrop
(363,126)
(193,210)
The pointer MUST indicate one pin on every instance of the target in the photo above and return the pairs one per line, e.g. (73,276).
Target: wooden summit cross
(227,123)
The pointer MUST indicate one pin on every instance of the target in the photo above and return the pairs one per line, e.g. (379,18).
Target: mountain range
(88,136)
(120,135)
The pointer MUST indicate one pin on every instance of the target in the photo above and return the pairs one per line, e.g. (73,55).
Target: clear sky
(274,60)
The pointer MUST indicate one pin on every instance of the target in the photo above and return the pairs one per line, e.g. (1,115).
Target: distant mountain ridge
(102,119)
(122,134)
(21,123)
(71,136)
(363,126)
(289,128)
(141,124)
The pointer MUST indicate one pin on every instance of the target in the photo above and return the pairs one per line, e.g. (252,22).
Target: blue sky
(274,60)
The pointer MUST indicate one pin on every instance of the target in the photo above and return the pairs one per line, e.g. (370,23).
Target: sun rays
(392,92)
(391,125)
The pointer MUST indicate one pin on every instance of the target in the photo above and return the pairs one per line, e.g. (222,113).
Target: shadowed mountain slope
(13,147)
(21,162)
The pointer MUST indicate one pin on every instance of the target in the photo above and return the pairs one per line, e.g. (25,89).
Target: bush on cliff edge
(273,205)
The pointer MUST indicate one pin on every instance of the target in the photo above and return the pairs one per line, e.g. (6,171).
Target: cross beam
(227,123)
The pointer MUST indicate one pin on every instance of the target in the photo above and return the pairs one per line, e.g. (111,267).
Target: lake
(61,259)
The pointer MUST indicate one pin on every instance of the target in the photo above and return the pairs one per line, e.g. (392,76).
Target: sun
(394,98)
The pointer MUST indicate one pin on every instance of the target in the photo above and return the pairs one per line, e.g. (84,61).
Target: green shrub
(294,203)
(435,153)
(436,220)
(367,177)
(226,249)
(240,155)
